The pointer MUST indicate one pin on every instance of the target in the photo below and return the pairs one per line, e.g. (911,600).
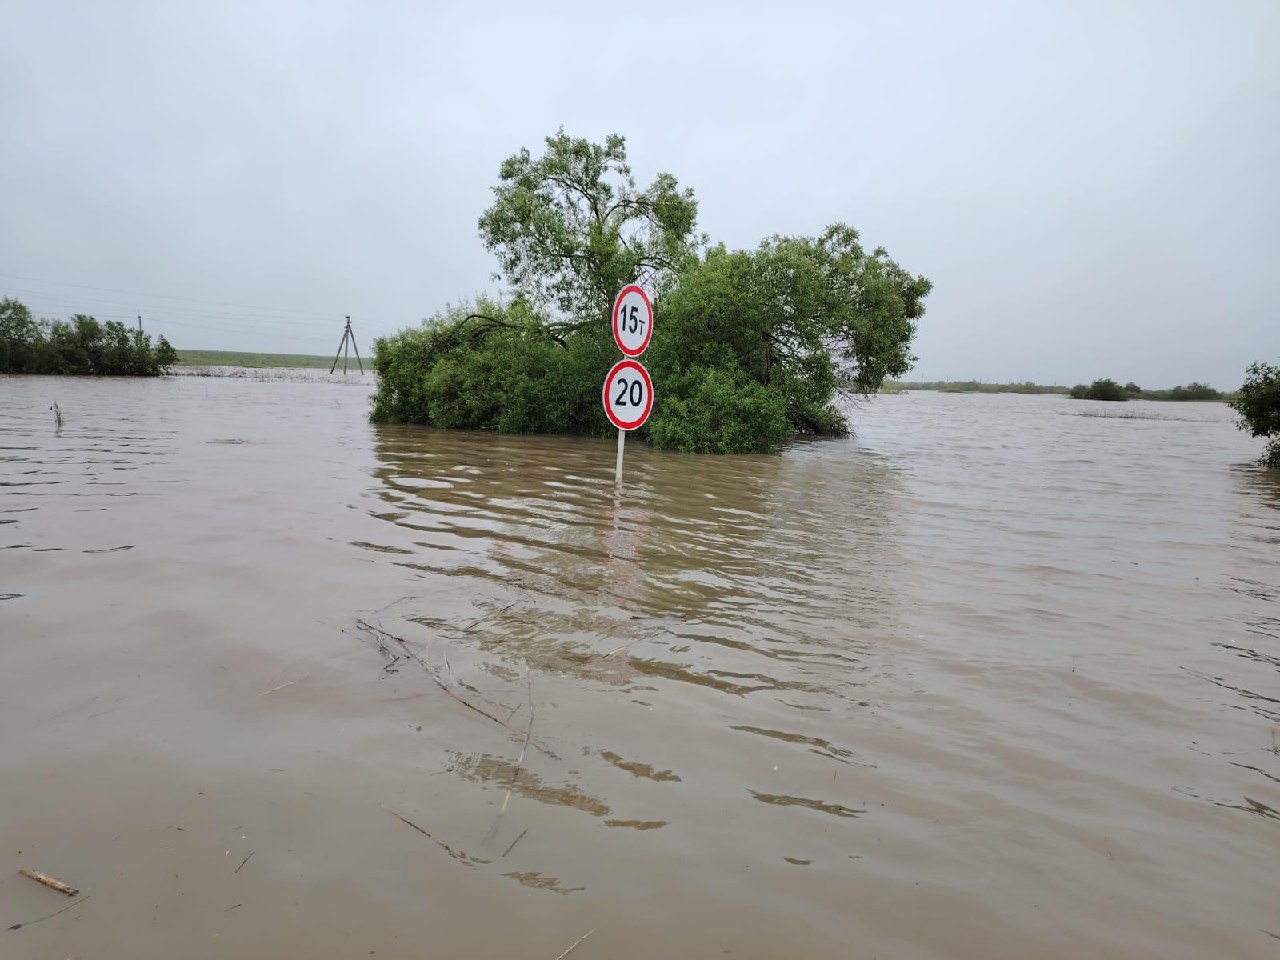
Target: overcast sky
(1094,188)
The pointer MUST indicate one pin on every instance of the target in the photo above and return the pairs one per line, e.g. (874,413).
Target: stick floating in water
(575,943)
(49,882)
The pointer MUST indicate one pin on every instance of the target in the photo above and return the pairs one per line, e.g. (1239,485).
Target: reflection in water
(734,553)
(816,744)
(639,769)
(834,809)
(511,776)
(706,581)
(535,879)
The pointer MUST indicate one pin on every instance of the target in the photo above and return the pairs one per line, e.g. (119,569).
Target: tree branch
(623,202)
(580,190)
(542,328)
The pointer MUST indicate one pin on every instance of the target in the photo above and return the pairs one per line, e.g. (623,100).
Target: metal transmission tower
(347,338)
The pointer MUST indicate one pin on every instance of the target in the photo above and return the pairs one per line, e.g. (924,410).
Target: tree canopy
(752,346)
(570,228)
(80,346)
(1258,404)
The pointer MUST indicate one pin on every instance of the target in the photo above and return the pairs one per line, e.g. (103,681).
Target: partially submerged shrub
(713,410)
(1258,404)
(1099,390)
(81,346)
(753,345)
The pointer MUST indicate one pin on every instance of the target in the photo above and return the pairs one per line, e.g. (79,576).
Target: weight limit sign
(632,321)
(627,395)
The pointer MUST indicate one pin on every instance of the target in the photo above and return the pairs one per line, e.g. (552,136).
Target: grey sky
(1092,187)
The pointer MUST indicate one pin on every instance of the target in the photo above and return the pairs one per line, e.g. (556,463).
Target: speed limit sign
(632,320)
(627,395)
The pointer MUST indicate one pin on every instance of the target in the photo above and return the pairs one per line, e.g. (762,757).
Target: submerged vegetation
(1258,404)
(1110,390)
(81,345)
(1192,391)
(1099,390)
(752,345)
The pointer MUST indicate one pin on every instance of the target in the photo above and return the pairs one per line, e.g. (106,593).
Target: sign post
(628,390)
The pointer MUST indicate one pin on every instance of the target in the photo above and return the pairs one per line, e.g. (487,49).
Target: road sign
(632,320)
(627,394)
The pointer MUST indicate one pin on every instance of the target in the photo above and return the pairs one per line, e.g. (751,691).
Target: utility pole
(347,338)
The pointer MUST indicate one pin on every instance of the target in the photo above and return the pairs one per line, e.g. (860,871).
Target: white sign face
(632,320)
(627,395)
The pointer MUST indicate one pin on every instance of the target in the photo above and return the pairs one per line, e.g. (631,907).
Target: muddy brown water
(991,680)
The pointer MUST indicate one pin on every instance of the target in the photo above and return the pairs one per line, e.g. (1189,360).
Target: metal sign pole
(617,472)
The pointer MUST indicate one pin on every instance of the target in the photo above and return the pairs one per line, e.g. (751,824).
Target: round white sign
(627,394)
(632,320)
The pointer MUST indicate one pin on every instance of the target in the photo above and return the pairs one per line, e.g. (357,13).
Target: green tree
(570,228)
(798,316)
(81,346)
(753,346)
(1193,391)
(87,347)
(1099,390)
(164,357)
(1258,403)
(20,338)
(120,352)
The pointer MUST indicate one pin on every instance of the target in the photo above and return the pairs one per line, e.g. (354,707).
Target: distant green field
(228,358)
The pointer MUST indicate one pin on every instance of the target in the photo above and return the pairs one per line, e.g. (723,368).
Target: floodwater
(992,680)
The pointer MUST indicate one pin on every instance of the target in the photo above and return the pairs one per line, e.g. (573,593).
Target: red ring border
(648,335)
(604,393)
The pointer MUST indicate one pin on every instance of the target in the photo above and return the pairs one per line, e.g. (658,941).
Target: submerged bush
(1192,391)
(492,367)
(752,346)
(1099,390)
(81,346)
(1258,404)
(719,411)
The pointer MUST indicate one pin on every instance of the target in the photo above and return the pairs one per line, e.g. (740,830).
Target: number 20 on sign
(628,395)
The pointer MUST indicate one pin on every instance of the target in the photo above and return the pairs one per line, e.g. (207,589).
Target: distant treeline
(1110,390)
(1098,390)
(79,346)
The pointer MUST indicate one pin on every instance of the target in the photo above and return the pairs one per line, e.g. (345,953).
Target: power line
(216,316)
(80,304)
(242,323)
(236,325)
(163,296)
